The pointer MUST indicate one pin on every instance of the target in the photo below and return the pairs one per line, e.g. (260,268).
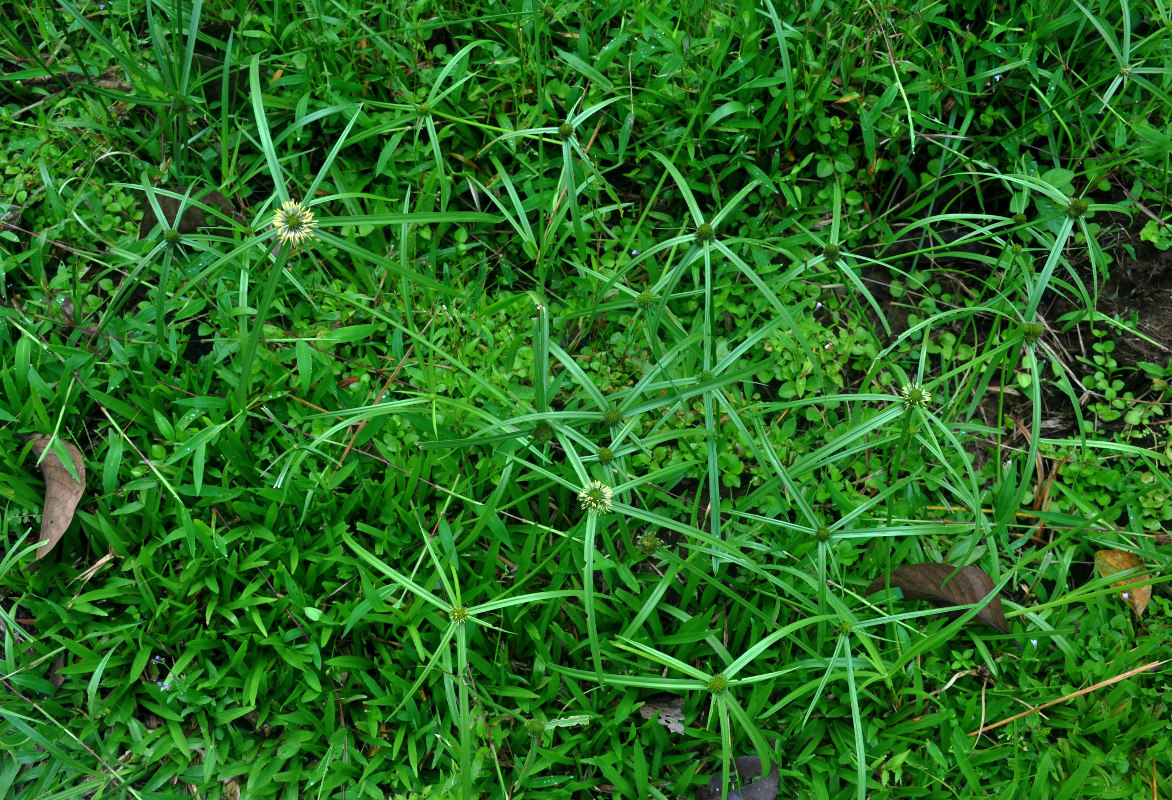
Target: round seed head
(1077,207)
(1032,331)
(648,543)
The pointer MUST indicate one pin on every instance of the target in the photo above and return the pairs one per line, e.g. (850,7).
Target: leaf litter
(62,490)
(1110,562)
(944,585)
(665,709)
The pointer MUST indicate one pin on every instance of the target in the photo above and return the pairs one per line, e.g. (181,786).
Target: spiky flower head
(1032,331)
(612,416)
(1020,219)
(535,728)
(172,236)
(542,432)
(648,543)
(605,455)
(294,223)
(459,614)
(844,628)
(597,498)
(565,131)
(915,395)
(718,684)
(824,534)
(1077,207)
(704,377)
(705,233)
(645,299)
(830,251)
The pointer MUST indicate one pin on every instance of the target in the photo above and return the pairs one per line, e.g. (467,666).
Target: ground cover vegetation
(501,399)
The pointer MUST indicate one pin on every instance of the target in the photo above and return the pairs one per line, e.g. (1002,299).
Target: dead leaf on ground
(744,769)
(62,491)
(1110,562)
(193,217)
(667,710)
(930,581)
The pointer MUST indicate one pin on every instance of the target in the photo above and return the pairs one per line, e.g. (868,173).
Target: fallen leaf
(667,710)
(930,581)
(1110,562)
(744,769)
(56,672)
(193,217)
(62,490)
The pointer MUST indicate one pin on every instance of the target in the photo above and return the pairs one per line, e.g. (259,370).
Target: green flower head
(1077,207)
(1032,331)
(648,543)
(543,432)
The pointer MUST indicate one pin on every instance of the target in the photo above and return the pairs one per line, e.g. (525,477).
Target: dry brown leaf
(744,770)
(1110,562)
(665,709)
(62,491)
(930,581)
(193,217)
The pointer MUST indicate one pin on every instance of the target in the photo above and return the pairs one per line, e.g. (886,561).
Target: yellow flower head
(596,498)
(294,223)
(916,395)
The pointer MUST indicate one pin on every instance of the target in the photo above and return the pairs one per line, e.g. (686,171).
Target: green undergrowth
(630,346)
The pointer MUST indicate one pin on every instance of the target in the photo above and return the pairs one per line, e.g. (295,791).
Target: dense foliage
(514,400)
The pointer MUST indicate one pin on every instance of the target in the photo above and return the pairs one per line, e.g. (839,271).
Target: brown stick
(1071,696)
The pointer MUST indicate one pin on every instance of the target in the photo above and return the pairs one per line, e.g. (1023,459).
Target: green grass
(594,390)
